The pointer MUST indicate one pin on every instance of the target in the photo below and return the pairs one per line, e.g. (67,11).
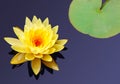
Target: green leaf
(94,18)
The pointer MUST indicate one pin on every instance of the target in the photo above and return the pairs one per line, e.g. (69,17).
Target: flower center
(37,41)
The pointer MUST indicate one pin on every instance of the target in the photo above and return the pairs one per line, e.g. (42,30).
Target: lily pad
(97,19)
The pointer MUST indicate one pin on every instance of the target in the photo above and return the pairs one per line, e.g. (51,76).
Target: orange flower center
(37,41)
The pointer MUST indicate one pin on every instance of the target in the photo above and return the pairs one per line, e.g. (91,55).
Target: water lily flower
(36,44)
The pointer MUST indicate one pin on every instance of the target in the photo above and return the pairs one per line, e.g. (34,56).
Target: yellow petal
(49,51)
(51,64)
(46,22)
(29,56)
(28,21)
(38,55)
(18,59)
(20,49)
(39,21)
(28,25)
(48,27)
(36,66)
(58,47)
(13,41)
(19,33)
(34,20)
(35,50)
(61,42)
(55,37)
(55,29)
(51,43)
(47,58)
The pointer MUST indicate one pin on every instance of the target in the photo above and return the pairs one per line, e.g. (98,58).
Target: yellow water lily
(36,44)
